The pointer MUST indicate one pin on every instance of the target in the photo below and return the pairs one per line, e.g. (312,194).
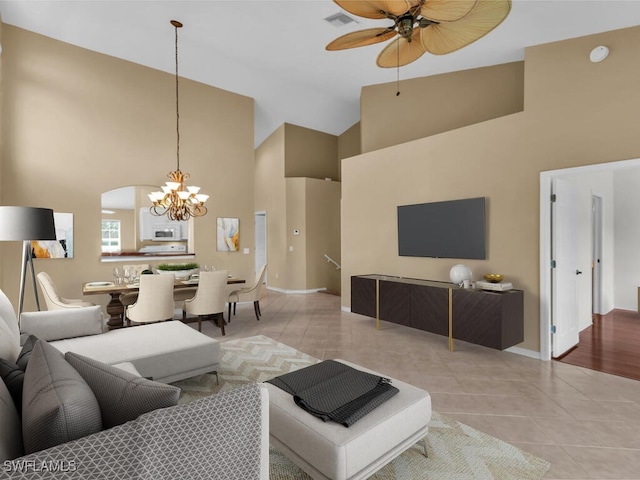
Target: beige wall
(349,143)
(303,203)
(271,197)
(310,153)
(439,103)
(313,208)
(576,113)
(322,213)
(76,123)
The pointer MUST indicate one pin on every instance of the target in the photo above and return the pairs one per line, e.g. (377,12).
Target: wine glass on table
(117,273)
(127,275)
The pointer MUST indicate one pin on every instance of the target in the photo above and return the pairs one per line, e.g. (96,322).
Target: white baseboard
(524,352)
(281,290)
(345,309)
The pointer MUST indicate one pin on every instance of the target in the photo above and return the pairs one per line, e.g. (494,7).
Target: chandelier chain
(178,201)
(177,105)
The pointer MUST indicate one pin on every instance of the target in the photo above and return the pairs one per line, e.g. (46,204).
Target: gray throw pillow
(13,373)
(57,404)
(13,377)
(122,396)
(25,353)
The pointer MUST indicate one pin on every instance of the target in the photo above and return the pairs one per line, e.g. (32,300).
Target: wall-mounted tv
(451,229)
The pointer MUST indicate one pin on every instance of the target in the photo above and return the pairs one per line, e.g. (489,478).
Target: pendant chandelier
(175,200)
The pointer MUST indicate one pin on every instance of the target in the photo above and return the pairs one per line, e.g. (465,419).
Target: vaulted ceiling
(273,50)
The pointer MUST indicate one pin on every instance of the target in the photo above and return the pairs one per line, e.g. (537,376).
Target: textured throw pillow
(122,396)
(57,404)
(13,373)
(25,353)
(13,377)
(10,428)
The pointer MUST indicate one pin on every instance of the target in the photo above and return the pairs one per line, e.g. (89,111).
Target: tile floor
(586,423)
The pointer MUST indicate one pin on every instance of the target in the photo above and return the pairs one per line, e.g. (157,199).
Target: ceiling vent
(340,19)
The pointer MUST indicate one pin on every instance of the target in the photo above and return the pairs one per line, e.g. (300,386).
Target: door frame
(597,232)
(546,179)
(261,213)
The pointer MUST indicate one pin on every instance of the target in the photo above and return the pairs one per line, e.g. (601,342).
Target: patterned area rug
(456,451)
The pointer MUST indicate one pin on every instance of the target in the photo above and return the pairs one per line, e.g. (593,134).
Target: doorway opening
(601,254)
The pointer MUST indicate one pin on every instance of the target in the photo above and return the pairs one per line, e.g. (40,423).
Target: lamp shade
(26,223)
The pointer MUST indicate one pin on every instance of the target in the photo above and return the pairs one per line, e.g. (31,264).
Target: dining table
(115,308)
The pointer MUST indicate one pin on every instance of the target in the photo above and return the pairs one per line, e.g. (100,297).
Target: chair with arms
(53,299)
(210,298)
(248,294)
(155,300)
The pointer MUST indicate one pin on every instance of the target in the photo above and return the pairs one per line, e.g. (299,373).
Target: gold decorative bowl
(493,277)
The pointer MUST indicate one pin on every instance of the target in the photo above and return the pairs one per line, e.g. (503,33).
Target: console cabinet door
(429,309)
(363,296)
(491,319)
(394,302)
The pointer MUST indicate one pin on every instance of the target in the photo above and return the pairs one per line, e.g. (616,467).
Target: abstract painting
(228,234)
(62,246)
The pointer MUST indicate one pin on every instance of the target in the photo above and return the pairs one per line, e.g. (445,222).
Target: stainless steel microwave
(167,233)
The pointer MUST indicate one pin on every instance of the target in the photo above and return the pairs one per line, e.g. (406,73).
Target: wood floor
(611,345)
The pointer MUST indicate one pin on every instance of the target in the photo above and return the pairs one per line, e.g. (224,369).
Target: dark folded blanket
(331,390)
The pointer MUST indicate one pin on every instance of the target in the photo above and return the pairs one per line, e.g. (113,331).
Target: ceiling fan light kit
(435,26)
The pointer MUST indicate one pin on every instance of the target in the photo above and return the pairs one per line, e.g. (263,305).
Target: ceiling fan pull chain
(398,72)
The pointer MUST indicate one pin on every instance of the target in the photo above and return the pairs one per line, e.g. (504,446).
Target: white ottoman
(328,450)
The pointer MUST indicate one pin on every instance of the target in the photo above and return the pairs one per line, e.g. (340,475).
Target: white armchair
(134,270)
(155,300)
(248,294)
(210,298)
(53,299)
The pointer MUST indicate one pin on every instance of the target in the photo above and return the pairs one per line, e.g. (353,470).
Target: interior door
(565,275)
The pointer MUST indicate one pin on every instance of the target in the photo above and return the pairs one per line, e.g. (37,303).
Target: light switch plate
(246,251)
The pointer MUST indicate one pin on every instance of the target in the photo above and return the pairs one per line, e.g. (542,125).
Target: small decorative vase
(459,273)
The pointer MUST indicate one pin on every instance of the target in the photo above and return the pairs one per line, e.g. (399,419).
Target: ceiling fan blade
(361,38)
(443,38)
(374,8)
(446,10)
(408,52)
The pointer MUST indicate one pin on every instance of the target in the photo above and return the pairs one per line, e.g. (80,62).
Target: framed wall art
(62,246)
(228,234)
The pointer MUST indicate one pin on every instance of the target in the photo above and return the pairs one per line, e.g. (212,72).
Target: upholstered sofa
(165,351)
(92,433)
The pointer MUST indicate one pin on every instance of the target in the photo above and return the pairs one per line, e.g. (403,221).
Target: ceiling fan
(435,26)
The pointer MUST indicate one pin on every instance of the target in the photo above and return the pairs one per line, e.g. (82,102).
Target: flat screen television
(450,229)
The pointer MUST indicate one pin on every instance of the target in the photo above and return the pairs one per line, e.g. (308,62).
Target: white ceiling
(273,50)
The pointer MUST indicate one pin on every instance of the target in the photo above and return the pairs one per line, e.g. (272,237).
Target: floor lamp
(26,224)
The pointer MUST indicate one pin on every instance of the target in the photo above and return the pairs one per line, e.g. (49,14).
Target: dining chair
(53,299)
(209,300)
(248,294)
(136,270)
(155,300)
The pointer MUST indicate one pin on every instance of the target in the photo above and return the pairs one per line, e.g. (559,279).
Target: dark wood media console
(492,319)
